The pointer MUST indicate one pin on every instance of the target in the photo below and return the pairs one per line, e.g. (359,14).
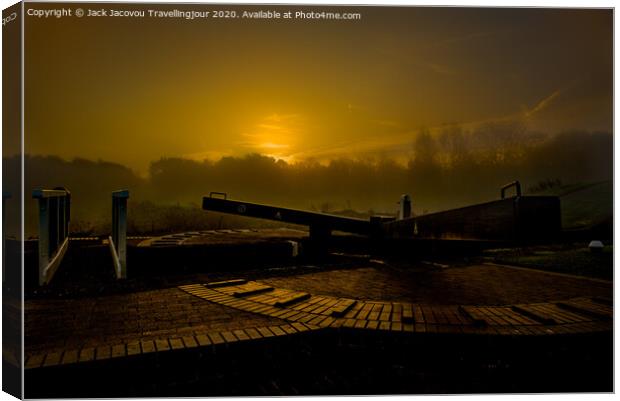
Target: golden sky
(134,90)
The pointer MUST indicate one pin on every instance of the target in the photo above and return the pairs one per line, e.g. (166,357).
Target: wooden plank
(133,348)
(87,354)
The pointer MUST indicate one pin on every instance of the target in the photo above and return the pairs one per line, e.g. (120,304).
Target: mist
(452,168)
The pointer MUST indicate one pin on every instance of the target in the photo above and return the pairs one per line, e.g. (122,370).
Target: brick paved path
(53,325)
(65,331)
(472,285)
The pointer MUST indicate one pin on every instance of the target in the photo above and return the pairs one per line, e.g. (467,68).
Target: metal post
(405,207)
(44,238)
(52,247)
(5,195)
(119,231)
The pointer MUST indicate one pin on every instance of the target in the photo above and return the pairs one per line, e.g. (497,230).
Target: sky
(135,90)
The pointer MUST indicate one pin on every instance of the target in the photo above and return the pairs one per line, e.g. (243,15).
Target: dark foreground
(319,363)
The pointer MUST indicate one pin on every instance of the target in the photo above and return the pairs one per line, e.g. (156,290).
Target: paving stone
(162,345)
(118,350)
(277,330)
(372,324)
(288,329)
(265,332)
(343,307)
(133,348)
(203,340)
(87,354)
(360,324)
(216,338)
(52,359)
(240,334)
(176,343)
(147,346)
(35,361)
(103,352)
(293,299)
(70,356)
(226,283)
(189,342)
(254,334)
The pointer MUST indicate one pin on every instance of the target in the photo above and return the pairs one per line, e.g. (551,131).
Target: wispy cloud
(543,104)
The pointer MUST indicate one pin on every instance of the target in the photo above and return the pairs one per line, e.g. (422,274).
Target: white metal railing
(118,239)
(54,216)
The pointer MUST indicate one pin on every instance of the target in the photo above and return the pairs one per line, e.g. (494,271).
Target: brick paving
(449,300)
(472,285)
(54,325)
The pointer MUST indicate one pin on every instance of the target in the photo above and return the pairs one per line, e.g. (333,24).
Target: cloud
(543,104)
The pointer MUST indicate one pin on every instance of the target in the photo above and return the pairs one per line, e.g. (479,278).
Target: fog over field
(450,169)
